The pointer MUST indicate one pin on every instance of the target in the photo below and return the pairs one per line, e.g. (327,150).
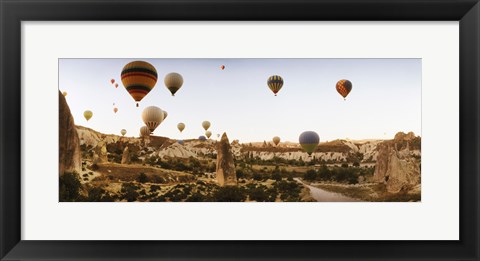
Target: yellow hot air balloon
(64,94)
(208,134)
(181,126)
(87,114)
(276,140)
(139,78)
(275,83)
(173,82)
(206,125)
(123,132)
(144,131)
(165,114)
(152,117)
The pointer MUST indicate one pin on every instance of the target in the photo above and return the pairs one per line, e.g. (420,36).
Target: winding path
(321,195)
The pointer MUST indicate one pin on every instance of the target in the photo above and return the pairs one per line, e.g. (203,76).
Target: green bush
(229,194)
(142,178)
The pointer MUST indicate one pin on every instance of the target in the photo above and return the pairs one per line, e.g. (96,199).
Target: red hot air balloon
(344,87)
(112,81)
(222,67)
(116,85)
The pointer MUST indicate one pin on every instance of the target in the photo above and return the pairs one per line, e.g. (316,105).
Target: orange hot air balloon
(139,78)
(115,109)
(344,87)
(116,85)
(222,67)
(112,81)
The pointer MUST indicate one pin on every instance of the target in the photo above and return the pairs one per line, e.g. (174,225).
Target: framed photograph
(241,130)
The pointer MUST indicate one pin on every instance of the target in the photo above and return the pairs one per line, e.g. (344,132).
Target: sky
(385,98)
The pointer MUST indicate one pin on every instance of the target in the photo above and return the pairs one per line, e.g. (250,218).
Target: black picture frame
(12,13)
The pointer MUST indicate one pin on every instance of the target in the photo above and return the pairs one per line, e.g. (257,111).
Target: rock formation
(70,158)
(126,157)
(398,162)
(101,151)
(226,175)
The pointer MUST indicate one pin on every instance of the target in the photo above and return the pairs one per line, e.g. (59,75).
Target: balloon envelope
(152,116)
(144,131)
(275,83)
(64,94)
(206,125)
(173,82)
(139,78)
(202,138)
(276,140)
(344,87)
(208,134)
(87,114)
(309,141)
(112,81)
(181,126)
(115,109)
(180,142)
(165,114)
(222,67)
(123,132)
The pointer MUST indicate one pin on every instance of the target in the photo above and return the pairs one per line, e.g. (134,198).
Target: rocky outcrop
(226,175)
(398,162)
(101,152)
(126,157)
(70,159)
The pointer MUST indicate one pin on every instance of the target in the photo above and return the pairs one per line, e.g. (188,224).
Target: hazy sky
(385,99)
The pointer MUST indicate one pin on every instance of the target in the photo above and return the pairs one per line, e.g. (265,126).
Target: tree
(310,175)
(142,178)
(229,194)
(69,187)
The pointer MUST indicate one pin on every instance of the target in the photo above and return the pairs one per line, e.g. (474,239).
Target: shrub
(310,175)
(69,187)
(229,194)
(142,178)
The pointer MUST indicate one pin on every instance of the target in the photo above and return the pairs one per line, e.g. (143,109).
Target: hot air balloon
(222,67)
(180,142)
(202,138)
(165,114)
(88,115)
(275,83)
(218,135)
(144,131)
(206,125)
(152,117)
(112,81)
(276,140)
(208,134)
(116,85)
(115,109)
(309,141)
(123,132)
(344,87)
(139,78)
(64,94)
(181,126)
(173,82)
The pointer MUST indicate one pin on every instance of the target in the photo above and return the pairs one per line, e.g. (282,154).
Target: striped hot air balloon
(344,87)
(173,82)
(309,141)
(152,116)
(275,83)
(139,78)
(144,131)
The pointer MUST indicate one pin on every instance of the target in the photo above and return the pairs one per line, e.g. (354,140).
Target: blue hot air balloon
(180,142)
(202,138)
(309,141)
